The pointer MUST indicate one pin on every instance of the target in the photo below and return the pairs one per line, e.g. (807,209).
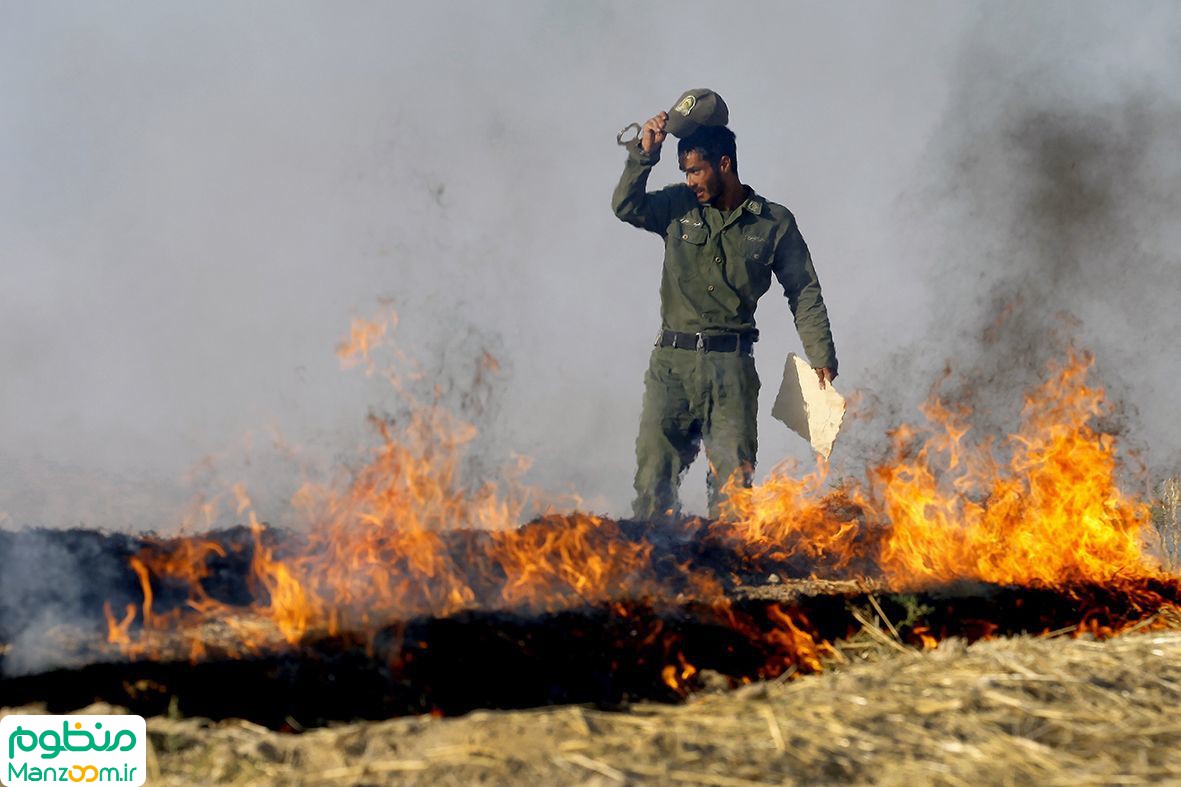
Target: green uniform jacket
(712,281)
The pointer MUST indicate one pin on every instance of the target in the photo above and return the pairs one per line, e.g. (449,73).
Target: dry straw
(1166,516)
(1012,711)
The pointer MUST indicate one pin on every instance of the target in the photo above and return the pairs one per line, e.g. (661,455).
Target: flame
(406,534)
(798,647)
(926,640)
(677,676)
(117,630)
(787,517)
(364,336)
(943,508)
(575,557)
(1053,515)
(145,584)
(290,606)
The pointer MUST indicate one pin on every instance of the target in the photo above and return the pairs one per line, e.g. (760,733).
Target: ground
(1006,711)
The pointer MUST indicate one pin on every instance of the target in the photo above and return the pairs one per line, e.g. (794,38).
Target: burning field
(417,592)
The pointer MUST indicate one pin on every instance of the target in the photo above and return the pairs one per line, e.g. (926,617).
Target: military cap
(696,108)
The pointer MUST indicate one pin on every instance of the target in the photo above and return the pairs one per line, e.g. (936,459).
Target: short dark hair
(711,143)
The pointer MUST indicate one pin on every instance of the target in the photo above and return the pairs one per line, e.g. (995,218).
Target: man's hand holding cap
(652,133)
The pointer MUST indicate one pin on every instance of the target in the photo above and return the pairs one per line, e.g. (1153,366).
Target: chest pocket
(689,229)
(756,247)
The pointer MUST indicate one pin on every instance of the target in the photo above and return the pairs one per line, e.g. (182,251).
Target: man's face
(701,176)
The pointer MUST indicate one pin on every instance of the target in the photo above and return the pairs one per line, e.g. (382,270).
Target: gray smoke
(1049,208)
(194,200)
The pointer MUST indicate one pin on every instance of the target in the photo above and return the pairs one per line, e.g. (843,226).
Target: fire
(364,336)
(117,629)
(1053,515)
(787,517)
(677,676)
(290,606)
(407,535)
(574,557)
(796,644)
(944,509)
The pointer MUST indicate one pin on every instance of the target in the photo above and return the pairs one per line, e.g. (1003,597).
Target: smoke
(52,585)
(1049,207)
(1075,230)
(194,203)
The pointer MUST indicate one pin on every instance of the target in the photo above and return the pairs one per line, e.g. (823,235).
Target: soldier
(722,242)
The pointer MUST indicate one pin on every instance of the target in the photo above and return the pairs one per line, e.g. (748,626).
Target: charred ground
(771,621)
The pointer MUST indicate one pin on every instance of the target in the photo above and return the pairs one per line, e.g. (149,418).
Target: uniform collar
(754,203)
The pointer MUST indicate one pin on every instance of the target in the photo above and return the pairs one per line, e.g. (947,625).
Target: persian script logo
(73,749)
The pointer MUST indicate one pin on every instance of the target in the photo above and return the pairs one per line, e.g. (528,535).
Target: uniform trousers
(691,397)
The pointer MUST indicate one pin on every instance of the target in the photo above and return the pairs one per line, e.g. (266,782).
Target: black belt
(710,343)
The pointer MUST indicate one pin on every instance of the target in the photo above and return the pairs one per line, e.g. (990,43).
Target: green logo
(72,740)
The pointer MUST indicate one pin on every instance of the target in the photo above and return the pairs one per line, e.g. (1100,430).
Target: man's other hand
(652,134)
(826,376)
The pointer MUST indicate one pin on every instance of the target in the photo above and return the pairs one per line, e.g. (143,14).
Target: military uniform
(701,381)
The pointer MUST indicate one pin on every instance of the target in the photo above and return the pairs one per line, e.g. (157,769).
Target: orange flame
(406,535)
(1054,515)
(1051,515)
(364,336)
(117,630)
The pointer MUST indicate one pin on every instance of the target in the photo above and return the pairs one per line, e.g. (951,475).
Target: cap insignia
(686,105)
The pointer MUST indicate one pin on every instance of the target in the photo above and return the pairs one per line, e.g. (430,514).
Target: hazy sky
(196,198)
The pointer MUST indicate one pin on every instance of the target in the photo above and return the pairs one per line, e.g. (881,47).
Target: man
(722,243)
